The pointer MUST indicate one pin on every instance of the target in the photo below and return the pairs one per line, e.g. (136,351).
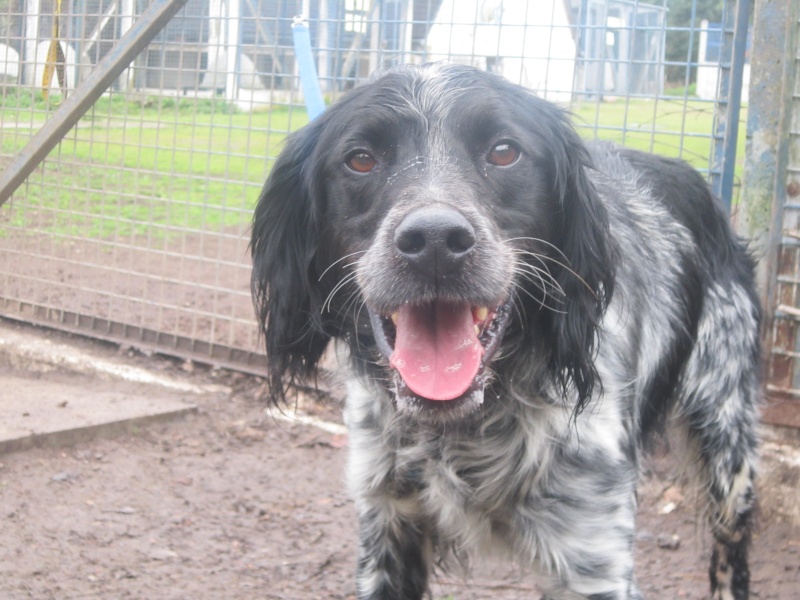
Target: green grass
(158,165)
(671,128)
(22,100)
(677,127)
(689,91)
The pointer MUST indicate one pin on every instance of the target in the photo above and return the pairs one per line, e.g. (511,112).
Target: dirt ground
(230,502)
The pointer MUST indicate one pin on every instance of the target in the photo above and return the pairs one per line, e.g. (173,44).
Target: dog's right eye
(361,162)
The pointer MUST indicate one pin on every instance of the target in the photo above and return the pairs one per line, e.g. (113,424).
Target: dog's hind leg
(732,497)
(719,407)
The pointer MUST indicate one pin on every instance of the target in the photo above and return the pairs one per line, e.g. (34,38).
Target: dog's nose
(435,239)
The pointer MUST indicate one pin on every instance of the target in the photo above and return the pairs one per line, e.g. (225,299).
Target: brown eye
(503,154)
(361,162)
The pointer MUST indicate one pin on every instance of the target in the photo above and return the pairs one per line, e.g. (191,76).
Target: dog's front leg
(394,552)
(394,548)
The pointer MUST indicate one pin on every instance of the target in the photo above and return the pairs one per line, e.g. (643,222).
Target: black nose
(435,239)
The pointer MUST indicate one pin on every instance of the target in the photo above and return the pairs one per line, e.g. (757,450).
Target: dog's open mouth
(439,350)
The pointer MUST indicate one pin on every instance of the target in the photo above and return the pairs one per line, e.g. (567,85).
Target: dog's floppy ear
(588,276)
(284,283)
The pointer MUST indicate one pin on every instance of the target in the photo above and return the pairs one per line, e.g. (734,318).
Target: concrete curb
(56,393)
(32,352)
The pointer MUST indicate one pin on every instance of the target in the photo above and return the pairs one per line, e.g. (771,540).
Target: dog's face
(438,205)
(423,192)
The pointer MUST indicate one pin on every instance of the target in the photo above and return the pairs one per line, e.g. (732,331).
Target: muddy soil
(231,503)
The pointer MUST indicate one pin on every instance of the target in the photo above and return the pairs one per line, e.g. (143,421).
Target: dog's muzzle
(439,348)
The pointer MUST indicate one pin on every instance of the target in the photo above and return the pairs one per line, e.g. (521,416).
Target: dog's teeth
(481,313)
(395,316)
(477,330)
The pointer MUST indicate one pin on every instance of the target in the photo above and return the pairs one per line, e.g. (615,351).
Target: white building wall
(708,72)
(527,41)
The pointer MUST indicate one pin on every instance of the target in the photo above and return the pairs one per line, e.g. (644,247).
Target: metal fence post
(734,31)
(769,196)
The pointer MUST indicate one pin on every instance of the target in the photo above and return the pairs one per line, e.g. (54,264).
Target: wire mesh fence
(135,228)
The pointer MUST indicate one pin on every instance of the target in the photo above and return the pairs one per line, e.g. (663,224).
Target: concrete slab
(56,389)
(35,412)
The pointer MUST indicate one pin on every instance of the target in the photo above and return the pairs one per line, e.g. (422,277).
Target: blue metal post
(315,104)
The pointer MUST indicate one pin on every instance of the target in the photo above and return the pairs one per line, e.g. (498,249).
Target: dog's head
(442,221)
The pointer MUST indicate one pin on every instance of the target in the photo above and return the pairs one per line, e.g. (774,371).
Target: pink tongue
(436,350)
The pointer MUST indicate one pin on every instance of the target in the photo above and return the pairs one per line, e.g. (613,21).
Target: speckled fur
(633,309)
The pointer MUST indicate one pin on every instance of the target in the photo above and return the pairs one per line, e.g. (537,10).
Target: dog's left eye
(503,154)
(361,162)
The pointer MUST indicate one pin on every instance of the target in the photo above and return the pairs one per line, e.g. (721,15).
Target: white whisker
(343,282)
(347,266)
(567,268)
(538,241)
(544,276)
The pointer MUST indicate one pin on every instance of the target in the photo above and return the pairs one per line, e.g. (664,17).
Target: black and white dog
(523,312)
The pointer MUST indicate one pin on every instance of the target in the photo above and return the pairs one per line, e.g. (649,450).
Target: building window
(355,15)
